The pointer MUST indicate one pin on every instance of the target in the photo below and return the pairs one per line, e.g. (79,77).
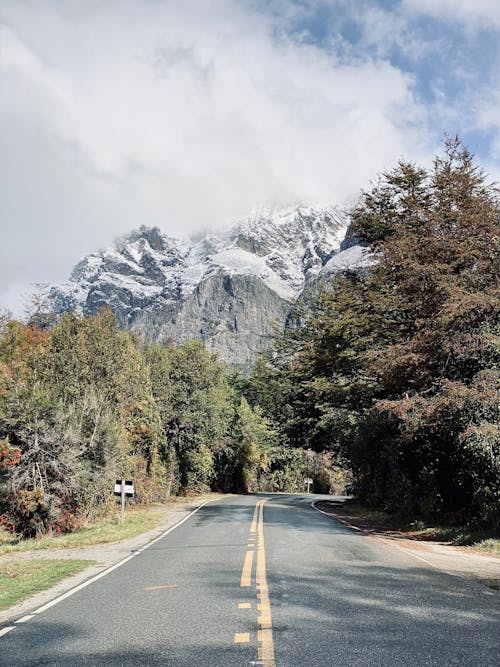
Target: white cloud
(177,114)
(476,13)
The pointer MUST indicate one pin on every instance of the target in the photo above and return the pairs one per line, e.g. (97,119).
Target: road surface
(263,580)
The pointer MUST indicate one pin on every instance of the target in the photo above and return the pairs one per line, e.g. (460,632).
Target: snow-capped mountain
(229,288)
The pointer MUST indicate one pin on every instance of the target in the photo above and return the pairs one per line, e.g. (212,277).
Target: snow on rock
(353,258)
(283,248)
(239,261)
(228,288)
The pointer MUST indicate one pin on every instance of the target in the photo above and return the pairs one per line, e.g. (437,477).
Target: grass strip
(108,529)
(20,579)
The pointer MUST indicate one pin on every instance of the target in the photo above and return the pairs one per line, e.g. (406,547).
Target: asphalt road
(264,580)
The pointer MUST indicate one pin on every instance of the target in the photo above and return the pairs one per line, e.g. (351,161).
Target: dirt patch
(340,510)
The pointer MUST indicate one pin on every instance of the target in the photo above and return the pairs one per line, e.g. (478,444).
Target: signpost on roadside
(308,481)
(124,489)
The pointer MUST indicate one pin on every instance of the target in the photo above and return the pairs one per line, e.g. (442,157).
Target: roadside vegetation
(83,403)
(108,528)
(20,579)
(105,530)
(389,379)
(396,369)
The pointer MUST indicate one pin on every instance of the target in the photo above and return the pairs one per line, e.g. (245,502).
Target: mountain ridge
(229,288)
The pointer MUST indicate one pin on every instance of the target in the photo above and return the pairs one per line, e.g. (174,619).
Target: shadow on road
(47,652)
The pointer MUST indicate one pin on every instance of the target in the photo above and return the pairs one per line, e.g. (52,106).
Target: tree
(193,395)
(255,441)
(397,367)
(76,400)
(39,311)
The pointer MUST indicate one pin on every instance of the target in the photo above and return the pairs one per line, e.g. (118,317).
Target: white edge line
(83,585)
(24,618)
(71,592)
(427,562)
(335,518)
(119,564)
(4,631)
(405,551)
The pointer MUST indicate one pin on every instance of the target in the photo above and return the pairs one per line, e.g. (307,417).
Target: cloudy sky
(187,114)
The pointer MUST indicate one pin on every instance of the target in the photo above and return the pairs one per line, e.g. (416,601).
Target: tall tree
(194,397)
(398,366)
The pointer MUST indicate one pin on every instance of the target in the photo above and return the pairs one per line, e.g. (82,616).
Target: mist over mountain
(230,289)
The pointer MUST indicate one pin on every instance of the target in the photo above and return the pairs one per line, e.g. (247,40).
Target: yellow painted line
(246,573)
(265,634)
(253,525)
(157,588)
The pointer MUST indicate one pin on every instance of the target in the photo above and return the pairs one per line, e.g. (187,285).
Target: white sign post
(124,489)
(308,481)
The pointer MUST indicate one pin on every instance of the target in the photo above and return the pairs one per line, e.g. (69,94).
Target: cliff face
(230,289)
(233,314)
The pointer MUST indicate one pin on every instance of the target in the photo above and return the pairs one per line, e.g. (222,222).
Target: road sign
(125,489)
(128,490)
(308,481)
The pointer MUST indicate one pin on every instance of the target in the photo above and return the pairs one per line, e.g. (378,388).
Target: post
(308,484)
(122,501)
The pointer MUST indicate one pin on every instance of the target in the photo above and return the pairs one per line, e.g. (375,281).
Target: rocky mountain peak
(227,288)
(151,236)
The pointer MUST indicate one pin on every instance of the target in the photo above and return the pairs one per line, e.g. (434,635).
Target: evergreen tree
(255,441)
(397,367)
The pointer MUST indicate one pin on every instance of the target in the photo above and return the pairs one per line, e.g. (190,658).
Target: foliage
(192,392)
(255,441)
(83,403)
(397,367)
(390,374)
(76,402)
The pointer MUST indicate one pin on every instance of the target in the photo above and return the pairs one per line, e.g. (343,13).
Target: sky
(188,114)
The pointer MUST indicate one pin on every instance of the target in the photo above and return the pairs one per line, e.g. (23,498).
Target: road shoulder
(457,561)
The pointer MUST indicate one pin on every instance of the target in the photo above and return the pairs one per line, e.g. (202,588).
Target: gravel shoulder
(104,555)
(458,561)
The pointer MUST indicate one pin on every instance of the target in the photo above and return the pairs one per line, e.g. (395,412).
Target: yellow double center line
(265,633)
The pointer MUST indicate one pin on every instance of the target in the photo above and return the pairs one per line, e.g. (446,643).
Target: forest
(83,403)
(388,381)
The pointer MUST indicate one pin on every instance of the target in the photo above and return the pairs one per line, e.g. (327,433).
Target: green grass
(109,529)
(20,579)
(106,530)
(485,541)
